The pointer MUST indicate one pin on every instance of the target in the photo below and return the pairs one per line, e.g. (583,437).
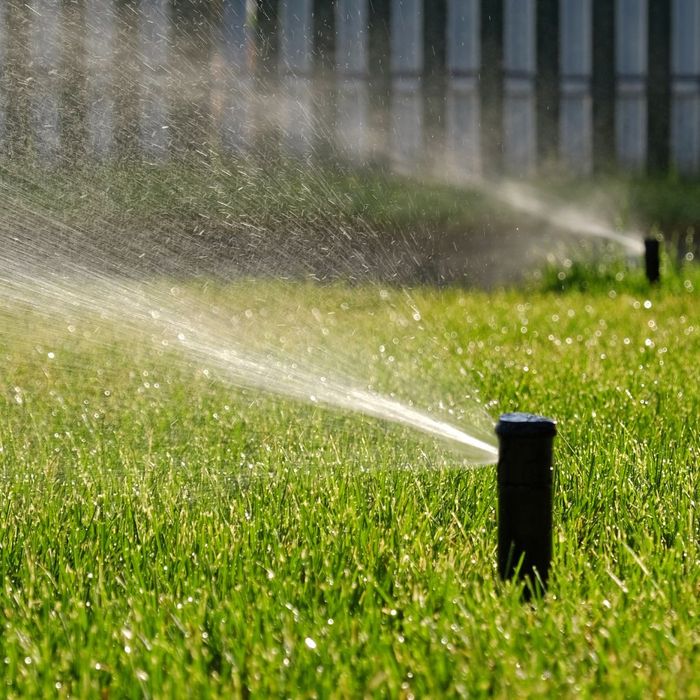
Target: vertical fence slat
(352,66)
(631,53)
(100,45)
(519,127)
(406,82)
(576,69)
(463,103)
(581,62)
(154,45)
(45,51)
(296,45)
(237,85)
(685,90)
(547,82)
(659,87)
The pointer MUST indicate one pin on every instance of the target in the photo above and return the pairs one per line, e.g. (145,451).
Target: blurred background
(596,103)
(483,86)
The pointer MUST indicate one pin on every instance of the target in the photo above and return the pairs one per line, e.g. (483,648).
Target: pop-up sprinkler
(651,259)
(525,497)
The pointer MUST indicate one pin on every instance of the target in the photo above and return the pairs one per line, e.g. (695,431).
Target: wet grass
(606,274)
(163,535)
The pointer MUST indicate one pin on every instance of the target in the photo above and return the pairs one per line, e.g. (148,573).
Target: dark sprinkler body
(652,267)
(525,496)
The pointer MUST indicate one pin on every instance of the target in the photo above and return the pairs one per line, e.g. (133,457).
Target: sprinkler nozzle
(525,497)
(651,259)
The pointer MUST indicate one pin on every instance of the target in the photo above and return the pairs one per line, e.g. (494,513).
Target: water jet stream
(142,312)
(568,219)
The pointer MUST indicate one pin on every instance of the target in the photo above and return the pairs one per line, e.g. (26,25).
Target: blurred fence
(468,86)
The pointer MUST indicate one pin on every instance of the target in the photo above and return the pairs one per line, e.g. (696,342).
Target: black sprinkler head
(525,497)
(652,266)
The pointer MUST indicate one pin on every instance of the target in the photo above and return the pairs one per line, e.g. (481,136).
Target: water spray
(525,497)
(652,267)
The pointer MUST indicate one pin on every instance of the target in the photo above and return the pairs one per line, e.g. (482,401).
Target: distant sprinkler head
(525,498)
(652,265)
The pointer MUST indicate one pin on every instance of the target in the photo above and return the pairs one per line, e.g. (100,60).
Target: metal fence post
(491,86)
(547,82)
(406,82)
(603,85)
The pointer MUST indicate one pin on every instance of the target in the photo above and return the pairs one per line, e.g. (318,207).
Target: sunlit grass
(163,534)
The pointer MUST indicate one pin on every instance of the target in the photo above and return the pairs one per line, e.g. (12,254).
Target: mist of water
(69,272)
(88,241)
(565,218)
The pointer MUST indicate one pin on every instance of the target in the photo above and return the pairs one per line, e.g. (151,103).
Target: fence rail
(514,86)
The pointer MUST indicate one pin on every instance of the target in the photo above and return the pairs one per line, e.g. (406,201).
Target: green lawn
(164,534)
